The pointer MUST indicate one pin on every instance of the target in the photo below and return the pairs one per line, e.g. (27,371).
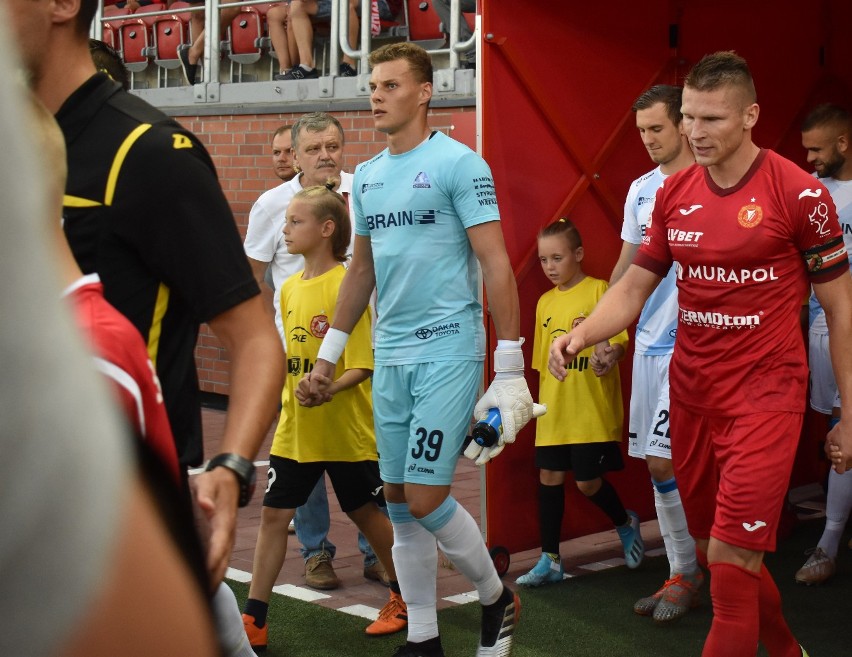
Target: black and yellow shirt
(144,209)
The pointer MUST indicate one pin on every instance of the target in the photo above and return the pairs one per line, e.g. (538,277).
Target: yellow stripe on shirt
(160,307)
(125,147)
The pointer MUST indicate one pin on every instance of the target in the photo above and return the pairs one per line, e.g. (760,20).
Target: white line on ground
(363,611)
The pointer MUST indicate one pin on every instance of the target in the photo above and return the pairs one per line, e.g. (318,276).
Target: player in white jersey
(826,134)
(658,119)
(425,213)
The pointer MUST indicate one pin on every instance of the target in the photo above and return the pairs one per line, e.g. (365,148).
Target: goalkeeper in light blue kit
(425,213)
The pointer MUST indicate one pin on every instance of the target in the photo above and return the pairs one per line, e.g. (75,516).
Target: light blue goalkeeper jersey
(415,207)
(657,327)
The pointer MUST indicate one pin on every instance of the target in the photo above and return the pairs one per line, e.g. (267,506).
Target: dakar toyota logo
(319,326)
(423,334)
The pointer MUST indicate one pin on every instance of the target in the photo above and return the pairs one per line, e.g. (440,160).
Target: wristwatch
(242,467)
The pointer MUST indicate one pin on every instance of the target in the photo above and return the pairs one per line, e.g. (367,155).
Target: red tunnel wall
(558,133)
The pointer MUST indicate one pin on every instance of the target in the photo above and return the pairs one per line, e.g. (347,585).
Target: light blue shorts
(422,414)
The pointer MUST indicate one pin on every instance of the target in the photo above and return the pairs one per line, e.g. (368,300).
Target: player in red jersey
(747,231)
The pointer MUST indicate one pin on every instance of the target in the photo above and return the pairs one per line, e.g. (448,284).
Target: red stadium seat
(245,39)
(423,22)
(134,44)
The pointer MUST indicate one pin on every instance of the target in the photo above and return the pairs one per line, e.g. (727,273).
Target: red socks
(736,618)
(746,607)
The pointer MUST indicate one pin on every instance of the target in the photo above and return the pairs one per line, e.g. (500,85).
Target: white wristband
(332,345)
(508,356)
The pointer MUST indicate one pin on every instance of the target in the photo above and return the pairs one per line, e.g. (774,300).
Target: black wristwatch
(243,468)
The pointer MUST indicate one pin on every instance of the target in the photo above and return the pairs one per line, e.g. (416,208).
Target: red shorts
(733,473)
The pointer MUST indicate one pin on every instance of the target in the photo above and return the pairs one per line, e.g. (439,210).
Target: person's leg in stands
(278,18)
(301,31)
(196,50)
(442,8)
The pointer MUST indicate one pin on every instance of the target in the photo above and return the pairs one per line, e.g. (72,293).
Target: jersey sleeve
(817,231)
(631,232)
(359,223)
(654,253)
(260,235)
(186,213)
(472,190)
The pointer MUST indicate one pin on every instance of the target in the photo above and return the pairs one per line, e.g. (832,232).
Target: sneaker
(430,648)
(376,572)
(817,569)
(298,73)
(392,618)
(347,71)
(319,573)
(498,625)
(631,539)
(256,635)
(546,571)
(281,76)
(190,71)
(679,595)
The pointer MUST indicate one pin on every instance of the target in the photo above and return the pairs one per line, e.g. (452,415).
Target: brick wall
(241,149)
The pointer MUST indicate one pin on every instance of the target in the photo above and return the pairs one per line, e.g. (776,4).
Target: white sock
(306,69)
(415,557)
(670,512)
(837,506)
(461,541)
(229,624)
(664,531)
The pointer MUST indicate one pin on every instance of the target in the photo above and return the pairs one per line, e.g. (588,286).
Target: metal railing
(339,26)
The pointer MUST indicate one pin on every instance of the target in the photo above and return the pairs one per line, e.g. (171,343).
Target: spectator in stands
(191,55)
(318,144)
(139,225)
(467,59)
(108,61)
(303,14)
(278,20)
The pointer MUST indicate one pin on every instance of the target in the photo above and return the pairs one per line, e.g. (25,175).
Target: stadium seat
(133,44)
(245,39)
(170,32)
(424,26)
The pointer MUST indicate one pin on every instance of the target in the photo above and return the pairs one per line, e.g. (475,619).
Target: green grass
(587,616)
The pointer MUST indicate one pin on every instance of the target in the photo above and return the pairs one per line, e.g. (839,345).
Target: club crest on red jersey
(319,326)
(750,215)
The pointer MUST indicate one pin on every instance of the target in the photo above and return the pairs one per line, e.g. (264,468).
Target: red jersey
(121,356)
(744,257)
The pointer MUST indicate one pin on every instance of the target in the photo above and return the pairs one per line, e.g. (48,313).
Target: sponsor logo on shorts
(437,331)
(419,468)
(755,526)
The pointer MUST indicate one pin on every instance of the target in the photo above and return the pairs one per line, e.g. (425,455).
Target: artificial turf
(587,616)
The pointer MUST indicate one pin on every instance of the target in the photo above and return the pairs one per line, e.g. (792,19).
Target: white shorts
(824,393)
(648,432)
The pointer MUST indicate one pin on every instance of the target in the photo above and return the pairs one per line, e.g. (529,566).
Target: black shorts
(290,483)
(586,460)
